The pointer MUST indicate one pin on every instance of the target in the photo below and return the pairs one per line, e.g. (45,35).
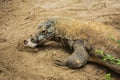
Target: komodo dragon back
(99,36)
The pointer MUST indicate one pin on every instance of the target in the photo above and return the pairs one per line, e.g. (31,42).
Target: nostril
(25,42)
(32,39)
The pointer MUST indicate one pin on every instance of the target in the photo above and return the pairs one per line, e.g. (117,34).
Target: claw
(59,62)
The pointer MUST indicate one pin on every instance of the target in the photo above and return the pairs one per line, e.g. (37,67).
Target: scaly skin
(83,37)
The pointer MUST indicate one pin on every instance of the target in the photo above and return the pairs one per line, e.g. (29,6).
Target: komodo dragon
(90,41)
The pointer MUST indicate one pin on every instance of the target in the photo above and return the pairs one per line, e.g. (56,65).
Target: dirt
(20,18)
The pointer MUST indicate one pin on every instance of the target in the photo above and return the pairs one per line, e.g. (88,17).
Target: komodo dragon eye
(44,31)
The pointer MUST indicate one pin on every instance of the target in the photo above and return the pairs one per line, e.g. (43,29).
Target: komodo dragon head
(44,33)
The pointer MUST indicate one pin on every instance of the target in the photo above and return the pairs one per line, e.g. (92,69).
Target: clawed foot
(59,62)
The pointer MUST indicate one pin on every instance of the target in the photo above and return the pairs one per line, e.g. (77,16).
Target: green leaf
(110,57)
(108,77)
(99,52)
(118,61)
(111,38)
(118,41)
(104,58)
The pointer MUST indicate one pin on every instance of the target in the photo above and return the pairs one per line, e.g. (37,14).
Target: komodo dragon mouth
(44,33)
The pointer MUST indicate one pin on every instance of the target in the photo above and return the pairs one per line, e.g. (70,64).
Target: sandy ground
(20,18)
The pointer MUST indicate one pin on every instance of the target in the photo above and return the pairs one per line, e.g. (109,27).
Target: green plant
(99,52)
(108,57)
(118,42)
(108,77)
(118,61)
(111,38)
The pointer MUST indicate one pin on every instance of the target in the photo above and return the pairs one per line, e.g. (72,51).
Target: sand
(20,18)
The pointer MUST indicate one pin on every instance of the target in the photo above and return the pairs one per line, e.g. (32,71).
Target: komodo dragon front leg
(78,58)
